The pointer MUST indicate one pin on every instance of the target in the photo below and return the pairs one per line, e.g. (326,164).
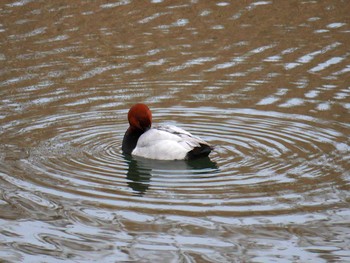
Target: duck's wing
(182,136)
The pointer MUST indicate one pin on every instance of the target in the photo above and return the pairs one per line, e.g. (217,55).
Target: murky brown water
(266,82)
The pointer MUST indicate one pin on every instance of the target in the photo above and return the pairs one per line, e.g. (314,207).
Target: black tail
(201,151)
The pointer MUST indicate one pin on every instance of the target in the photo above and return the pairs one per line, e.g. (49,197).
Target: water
(265,82)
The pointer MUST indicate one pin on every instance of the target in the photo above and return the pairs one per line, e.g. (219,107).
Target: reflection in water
(140,170)
(138,176)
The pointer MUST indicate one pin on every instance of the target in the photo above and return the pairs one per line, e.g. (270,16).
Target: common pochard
(165,142)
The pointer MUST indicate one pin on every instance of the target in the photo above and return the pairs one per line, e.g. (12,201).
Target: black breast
(130,139)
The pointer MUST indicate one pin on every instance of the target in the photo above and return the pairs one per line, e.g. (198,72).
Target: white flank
(166,143)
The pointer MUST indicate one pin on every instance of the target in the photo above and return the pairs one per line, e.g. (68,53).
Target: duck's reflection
(140,170)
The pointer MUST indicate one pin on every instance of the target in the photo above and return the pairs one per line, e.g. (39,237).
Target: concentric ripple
(263,163)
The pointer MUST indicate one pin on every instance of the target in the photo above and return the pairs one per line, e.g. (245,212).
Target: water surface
(267,83)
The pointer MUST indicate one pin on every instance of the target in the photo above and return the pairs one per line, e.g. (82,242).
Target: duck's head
(140,117)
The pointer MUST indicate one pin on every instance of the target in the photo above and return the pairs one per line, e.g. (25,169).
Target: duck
(163,142)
